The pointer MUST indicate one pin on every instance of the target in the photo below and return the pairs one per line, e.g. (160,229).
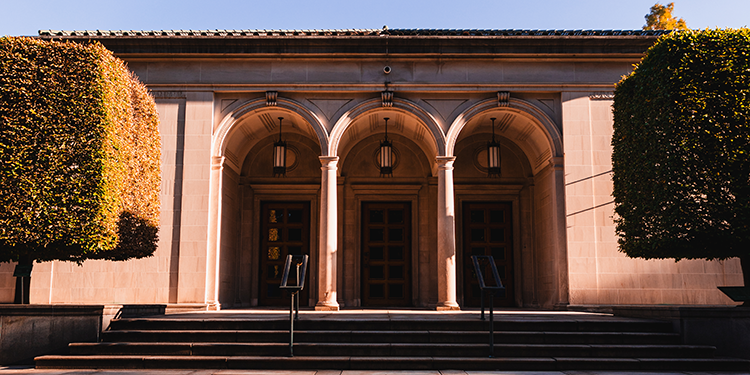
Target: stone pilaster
(214,230)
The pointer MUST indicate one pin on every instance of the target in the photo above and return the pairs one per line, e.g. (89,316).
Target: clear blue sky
(26,17)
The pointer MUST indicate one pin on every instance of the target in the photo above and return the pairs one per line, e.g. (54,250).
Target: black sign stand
(300,268)
(492,289)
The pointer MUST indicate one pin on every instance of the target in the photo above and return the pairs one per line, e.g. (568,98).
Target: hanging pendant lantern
(279,155)
(493,154)
(386,154)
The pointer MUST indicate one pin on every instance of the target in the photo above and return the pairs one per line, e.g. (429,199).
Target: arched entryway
(516,217)
(264,216)
(386,222)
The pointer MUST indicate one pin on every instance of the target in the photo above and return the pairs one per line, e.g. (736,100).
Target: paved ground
(20,370)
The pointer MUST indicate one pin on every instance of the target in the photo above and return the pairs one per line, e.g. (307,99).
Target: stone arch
(517,106)
(229,124)
(400,105)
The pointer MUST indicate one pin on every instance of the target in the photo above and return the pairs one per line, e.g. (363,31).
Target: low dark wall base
(726,328)
(27,331)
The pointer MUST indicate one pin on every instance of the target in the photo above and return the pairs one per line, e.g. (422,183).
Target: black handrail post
(481,298)
(301,260)
(488,288)
(291,326)
(492,326)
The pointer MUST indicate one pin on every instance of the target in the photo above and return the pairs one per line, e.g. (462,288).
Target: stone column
(214,233)
(328,240)
(446,232)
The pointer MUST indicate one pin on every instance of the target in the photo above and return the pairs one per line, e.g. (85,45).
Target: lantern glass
(386,158)
(493,159)
(279,158)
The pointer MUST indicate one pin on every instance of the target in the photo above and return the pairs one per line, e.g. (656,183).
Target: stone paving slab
(13,370)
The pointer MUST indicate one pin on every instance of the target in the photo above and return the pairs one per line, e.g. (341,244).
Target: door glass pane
(274,272)
(501,271)
(497,216)
(395,291)
(377,272)
(395,252)
(377,216)
(377,291)
(376,253)
(276,216)
(477,216)
(395,234)
(475,291)
(274,253)
(498,253)
(273,234)
(395,216)
(395,272)
(477,251)
(497,235)
(295,216)
(477,235)
(273,291)
(376,234)
(294,250)
(294,234)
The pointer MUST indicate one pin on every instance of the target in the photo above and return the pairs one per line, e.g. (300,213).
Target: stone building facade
(374,239)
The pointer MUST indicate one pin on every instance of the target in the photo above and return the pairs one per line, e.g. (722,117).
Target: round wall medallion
(292,158)
(480,159)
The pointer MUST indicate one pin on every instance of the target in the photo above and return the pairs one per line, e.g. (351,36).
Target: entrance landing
(394,314)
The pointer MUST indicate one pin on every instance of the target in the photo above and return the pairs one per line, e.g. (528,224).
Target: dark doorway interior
(487,230)
(386,254)
(285,229)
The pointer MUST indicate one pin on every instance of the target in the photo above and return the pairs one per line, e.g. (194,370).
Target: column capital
(445,162)
(557,163)
(217,162)
(329,162)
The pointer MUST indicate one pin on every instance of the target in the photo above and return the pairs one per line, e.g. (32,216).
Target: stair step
(392,336)
(386,349)
(388,363)
(549,325)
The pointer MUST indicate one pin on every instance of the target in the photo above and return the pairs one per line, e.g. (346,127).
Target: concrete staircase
(529,342)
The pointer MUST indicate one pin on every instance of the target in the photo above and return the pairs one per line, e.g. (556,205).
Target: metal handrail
(299,261)
(492,289)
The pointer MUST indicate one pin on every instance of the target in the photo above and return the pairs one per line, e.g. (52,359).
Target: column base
(326,306)
(448,306)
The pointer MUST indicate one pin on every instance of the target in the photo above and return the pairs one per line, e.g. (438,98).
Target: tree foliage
(79,154)
(660,18)
(681,148)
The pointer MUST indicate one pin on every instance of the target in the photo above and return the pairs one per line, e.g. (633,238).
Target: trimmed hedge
(79,154)
(681,148)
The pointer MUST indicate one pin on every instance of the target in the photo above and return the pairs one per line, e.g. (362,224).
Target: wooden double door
(386,254)
(285,229)
(487,230)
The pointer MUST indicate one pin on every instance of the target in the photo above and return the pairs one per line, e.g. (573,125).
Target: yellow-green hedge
(79,154)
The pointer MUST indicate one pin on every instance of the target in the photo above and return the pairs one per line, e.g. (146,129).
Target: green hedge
(681,148)
(79,154)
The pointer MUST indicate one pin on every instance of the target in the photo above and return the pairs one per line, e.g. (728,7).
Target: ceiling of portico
(258,126)
(516,126)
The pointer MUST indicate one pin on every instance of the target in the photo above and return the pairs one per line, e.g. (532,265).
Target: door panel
(386,254)
(488,231)
(285,229)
